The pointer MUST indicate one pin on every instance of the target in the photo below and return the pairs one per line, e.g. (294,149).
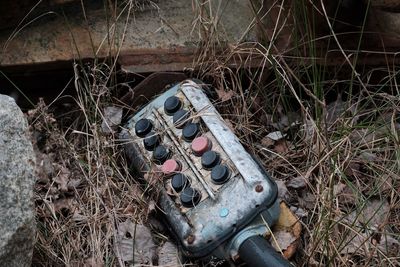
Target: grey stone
(17,165)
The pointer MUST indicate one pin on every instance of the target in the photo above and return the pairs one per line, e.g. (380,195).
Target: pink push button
(200,145)
(171,166)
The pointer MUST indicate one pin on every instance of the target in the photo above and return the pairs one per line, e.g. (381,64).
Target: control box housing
(214,194)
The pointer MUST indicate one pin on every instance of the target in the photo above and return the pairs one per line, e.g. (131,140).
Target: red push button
(200,145)
(171,166)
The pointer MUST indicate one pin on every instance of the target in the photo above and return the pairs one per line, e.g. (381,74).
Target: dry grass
(342,139)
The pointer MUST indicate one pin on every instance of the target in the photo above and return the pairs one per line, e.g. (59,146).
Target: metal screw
(190,239)
(259,188)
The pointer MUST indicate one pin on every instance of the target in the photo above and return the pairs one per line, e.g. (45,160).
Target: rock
(17,167)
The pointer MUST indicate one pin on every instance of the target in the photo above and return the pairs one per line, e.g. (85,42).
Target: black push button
(172,105)
(161,154)
(190,197)
(190,131)
(179,182)
(220,174)
(143,127)
(180,118)
(210,159)
(151,141)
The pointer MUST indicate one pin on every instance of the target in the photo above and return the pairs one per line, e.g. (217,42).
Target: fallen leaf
(277,135)
(283,192)
(374,212)
(370,157)
(267,142)
(225,95)
(297,182)
(363,233)
(135,237)
(112,118)
(284,239)
(281,146)
(344,194)
(168,255)
(286,231)
(62,179)
(59,205)
(286,121)
(299,211)
(334,110)
(352,168)
(44,167)
(307,201)
(309,128)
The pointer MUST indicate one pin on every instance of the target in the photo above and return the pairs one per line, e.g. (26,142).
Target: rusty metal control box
(214,194)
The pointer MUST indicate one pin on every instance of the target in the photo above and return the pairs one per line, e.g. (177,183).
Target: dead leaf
(286,231)
(44,168)
(299,211)
(367,156)
(309,129)
(307,201)
(352,168)
(283,192)
(225,95)
(277,135)
(344,194)
(62,179)
(363,231)
(112,118)
(284,239)
(267,142)
(168,255)
(59,205)
(74,183)
(334,110)
(297,182)
(286,121)
(135,237)
(281,146)
(374,212)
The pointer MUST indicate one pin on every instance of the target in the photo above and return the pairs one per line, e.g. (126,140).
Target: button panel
(208,198)
(193,164)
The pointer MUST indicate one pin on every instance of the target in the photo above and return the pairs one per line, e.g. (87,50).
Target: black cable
(256,251)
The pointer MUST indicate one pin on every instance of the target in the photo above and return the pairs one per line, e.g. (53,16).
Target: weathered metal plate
(161,37)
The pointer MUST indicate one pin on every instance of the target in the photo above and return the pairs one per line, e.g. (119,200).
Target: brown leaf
(62,178)
(344,194)
(334,110)
(267,142)
(284,239)
(52,208)
(112,118)
(308,201)
(44,168)
(225,95)
(135,237)
(283,192)
(297,182)
(281,146)
(363,231)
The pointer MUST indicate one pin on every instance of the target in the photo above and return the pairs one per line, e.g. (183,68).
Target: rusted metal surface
(161,37)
